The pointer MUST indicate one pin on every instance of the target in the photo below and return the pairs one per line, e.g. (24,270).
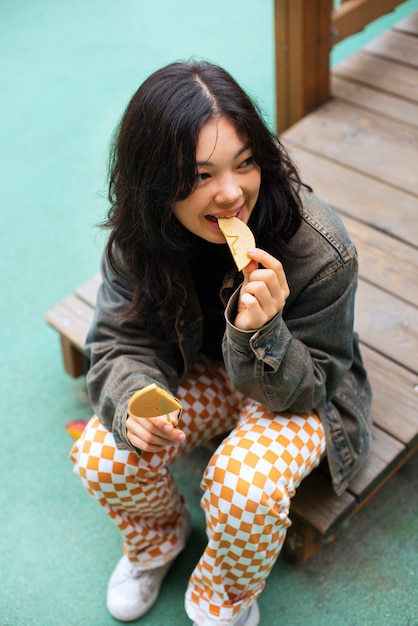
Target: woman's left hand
(263,293)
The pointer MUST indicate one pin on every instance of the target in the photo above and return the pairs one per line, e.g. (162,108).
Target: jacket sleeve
(125,355)
(296,361)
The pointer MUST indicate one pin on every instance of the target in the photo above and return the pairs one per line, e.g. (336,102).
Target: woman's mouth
(214,218)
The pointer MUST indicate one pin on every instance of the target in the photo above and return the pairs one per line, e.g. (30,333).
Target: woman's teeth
(212,218)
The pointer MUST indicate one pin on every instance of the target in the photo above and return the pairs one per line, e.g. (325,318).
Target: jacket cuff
(119,429)
(263,342)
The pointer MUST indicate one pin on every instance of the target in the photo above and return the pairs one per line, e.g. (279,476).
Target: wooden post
(303,44)
(74,363)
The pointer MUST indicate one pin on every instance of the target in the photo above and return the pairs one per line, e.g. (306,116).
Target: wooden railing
(305,32)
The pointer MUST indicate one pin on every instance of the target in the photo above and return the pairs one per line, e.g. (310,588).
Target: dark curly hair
(153,164)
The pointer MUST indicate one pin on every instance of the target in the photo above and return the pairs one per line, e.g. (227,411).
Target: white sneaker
(251,617)
(132,592)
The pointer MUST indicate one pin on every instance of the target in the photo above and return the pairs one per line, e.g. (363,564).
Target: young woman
(267,355)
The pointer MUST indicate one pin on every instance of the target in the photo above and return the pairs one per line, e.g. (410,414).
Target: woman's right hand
(155,433)
(263,293)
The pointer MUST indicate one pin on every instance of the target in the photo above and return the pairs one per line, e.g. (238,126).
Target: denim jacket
(306,358)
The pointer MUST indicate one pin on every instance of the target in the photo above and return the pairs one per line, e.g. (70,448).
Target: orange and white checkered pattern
(247,489)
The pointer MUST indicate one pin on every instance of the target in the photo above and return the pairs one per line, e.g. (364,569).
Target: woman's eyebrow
(240,151)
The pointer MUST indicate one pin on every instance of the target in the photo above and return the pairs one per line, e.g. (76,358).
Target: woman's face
(228,182)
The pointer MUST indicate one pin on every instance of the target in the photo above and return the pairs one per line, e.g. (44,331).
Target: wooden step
(362,141)
(72,318)
(358,196)
(395,438)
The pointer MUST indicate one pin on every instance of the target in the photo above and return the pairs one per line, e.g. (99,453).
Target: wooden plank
(358,196)
(318,506)
(395,46)
(365,97)
(88,290)
(393,78)
(72,318)
(385,455)
(74,363)
(383,482)
(361,140)
(384,261)
(408,24)
(352,16)
(387,324)
(302,542)
(395,397)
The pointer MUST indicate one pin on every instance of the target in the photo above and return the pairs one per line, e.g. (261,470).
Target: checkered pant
(247,489)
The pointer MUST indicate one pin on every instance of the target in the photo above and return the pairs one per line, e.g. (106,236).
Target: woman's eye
(201,176)
(247,162)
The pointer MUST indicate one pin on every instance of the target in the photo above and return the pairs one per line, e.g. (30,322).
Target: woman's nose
(228,190)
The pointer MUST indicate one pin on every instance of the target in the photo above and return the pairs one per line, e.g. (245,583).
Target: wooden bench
(316,512)
(359,152)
